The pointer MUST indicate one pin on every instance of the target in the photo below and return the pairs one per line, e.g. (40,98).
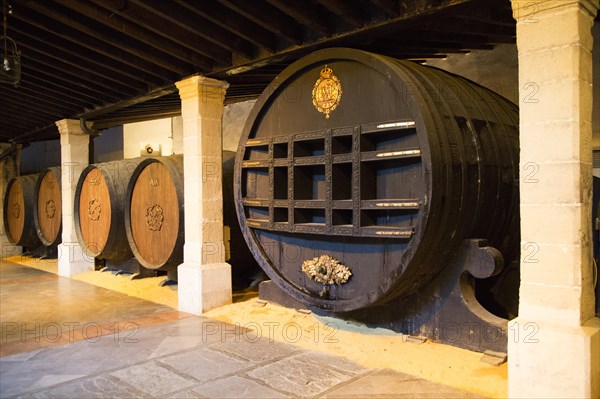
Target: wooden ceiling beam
(464,37)
(199,26)
(410,40)
(37,99)
(73,57)
(232,22)
(89,28)
(102,49)
(308,14)
(67,79)
(452,26)
(29,90)
(271,18)
(46,80)
(43,87)
(120,24)
(353,12)
(78,74)
(25,114)
(154,23)
(388,7)
(413,15)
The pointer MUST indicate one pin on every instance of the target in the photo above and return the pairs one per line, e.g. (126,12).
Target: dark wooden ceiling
(116,61)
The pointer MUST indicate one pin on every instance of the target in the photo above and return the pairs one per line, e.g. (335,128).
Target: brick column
(554,344)
(204,279)
(74,155)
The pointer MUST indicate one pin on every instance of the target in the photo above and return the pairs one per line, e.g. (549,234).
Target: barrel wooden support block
(204,277)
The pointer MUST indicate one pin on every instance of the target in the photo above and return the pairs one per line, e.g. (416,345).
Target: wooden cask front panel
(94,212)
(154,214)
(15,212)
(49,207)
(387,178)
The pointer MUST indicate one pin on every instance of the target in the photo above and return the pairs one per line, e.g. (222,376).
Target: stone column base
(553,361)
(203,287)
(72,260)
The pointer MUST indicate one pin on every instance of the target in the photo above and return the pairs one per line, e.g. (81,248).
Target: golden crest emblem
(327,92)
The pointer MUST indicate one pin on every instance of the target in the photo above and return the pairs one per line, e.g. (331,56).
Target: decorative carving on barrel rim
(94,209)
(327,92)
(154,217)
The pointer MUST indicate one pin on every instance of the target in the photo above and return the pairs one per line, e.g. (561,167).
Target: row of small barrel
(121,208)
(33,209)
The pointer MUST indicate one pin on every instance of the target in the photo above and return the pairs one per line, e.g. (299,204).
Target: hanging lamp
(10,67)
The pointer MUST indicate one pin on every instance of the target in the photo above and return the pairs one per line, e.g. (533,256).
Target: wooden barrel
(154,217)
(19,203)
(384,165)
(47,213)
(154,220)
(99,209)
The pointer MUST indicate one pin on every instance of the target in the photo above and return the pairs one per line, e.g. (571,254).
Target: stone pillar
(554,344)
(204,279)
(74,154)
(9,168)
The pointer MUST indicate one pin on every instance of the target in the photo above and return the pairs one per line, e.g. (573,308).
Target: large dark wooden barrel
(154,217)
(19,202)
(384,165)
(99,209)
(47,213)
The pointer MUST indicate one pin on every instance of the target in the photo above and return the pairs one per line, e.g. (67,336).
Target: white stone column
(74,154)
(554,344)
(204,279)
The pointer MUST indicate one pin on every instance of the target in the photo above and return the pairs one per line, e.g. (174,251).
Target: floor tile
(96,387)
(336,362)
(392,384)
(153,379)
(298,378)
(205,364)
(256,350)
(237,387)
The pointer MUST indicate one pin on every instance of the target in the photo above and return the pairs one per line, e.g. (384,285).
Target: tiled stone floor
(67,339)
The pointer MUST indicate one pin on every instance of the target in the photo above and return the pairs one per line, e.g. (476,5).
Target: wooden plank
(308,14)
(144,20)
(199,26)
(88,27)
(269,17)
(234,23)
(53,28)
(354,12)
